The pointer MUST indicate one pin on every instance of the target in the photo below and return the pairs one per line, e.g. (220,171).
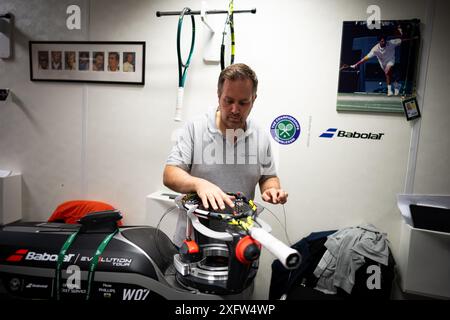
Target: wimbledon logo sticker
(285,129)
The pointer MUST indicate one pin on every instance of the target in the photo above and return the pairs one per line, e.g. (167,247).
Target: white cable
(282,226)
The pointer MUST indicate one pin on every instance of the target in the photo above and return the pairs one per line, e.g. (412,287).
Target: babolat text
(358,135)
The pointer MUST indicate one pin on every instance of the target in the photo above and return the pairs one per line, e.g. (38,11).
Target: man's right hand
(209,193)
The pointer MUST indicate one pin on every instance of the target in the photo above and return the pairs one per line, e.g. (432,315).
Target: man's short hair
(238,71)
(115,55)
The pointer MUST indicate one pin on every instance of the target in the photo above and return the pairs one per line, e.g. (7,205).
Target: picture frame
(378,66)
(411,108)
(88,61)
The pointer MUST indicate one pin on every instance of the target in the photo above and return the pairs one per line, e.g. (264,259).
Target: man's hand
(209,193)
(353,66)
(273,195)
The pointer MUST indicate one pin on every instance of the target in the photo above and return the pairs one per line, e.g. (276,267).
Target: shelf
(163,195)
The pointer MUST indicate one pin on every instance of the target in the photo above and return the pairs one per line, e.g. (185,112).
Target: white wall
(109,142)
(41,126)
(432,174)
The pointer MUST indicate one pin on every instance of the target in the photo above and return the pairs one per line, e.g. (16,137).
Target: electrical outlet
(4,93)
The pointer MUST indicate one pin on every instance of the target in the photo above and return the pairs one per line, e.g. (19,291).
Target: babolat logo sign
(25,254)
(334,132)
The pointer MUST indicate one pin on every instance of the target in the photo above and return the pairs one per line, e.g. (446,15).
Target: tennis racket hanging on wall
(184,65)
(229,22)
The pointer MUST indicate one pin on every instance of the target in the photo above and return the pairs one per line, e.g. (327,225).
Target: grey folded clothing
(346,252)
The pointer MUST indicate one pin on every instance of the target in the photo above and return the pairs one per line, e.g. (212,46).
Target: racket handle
(289,257)
(179,104)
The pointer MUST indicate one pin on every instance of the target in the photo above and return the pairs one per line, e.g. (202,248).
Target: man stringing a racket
(384,50)
(224,133)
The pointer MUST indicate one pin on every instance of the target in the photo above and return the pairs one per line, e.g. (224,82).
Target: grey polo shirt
(234,162)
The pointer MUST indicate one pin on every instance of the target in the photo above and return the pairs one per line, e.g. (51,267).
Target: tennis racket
(230,23)
(183,66)
(244,216)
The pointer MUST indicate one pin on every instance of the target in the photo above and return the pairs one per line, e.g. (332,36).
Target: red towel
(72,211)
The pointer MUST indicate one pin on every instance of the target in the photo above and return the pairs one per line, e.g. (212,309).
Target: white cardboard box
(425,265)
(424,255)
(10,198)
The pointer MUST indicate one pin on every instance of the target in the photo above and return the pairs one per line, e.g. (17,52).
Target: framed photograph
(378,66)
(88,61)
(411,108)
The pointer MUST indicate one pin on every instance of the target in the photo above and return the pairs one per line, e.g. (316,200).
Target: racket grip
(179,105)
(289,257)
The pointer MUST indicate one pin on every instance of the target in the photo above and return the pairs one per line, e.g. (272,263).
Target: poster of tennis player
(378,66)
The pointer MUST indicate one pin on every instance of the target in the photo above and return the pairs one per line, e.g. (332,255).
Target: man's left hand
(275,196)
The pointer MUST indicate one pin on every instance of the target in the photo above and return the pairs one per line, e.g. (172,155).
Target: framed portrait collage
(88,61)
